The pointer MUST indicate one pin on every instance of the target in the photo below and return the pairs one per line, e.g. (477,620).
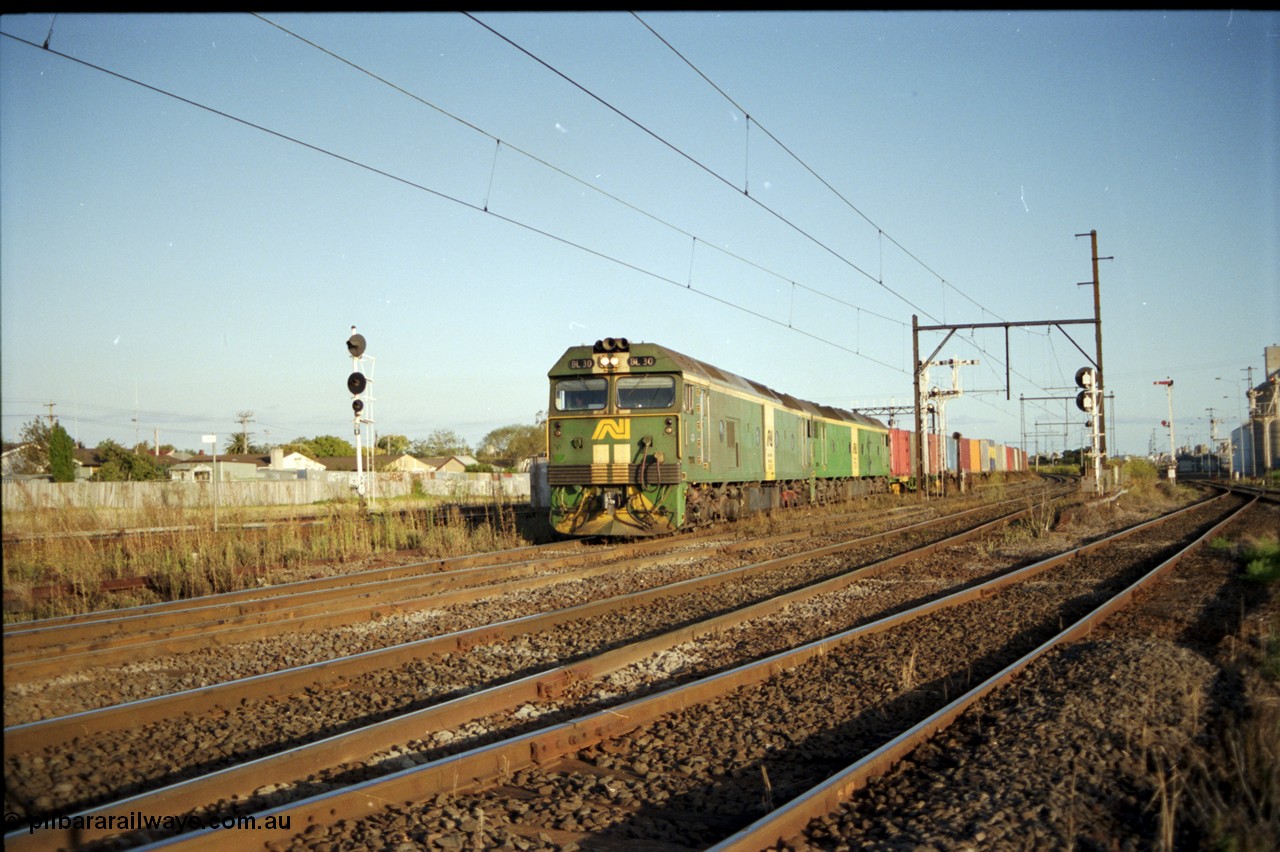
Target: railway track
(857,592)
(210,634)
(684,766)
(209,702)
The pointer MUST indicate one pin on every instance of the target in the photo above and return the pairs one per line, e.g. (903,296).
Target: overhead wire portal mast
(1096,395)
(921,365)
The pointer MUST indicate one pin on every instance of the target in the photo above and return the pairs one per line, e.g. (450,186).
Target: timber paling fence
(24,495)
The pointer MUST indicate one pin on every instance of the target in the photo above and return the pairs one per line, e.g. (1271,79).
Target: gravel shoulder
(1159,731)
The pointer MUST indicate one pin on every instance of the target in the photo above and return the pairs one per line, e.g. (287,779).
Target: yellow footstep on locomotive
(642,440)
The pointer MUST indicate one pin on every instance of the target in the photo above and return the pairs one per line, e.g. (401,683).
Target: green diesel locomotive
(642,440)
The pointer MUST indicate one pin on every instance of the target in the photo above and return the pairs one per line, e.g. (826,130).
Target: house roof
(86,457)
(441,461)
(348,463)
(241,458)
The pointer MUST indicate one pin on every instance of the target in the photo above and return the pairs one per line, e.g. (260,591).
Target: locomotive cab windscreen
(646,391)
(584,393)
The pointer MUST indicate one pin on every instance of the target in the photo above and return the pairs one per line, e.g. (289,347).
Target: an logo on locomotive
(618,428)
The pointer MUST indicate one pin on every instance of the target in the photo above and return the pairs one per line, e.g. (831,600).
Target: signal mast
(361,413)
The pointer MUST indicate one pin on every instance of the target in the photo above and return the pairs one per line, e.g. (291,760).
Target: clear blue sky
(477,194)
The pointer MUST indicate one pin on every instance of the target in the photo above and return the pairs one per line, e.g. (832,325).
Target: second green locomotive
(642,440)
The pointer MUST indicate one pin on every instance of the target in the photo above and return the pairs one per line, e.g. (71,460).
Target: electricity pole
(1173,452)
(1099,416)
(245,418)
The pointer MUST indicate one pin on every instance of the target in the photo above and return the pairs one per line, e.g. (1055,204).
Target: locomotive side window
(646,391)
(584,394)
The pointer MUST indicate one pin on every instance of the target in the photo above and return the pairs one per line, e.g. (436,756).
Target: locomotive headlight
(556,430)
(668,428)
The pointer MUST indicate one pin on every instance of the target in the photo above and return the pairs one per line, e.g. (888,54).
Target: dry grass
(1223,787)
(1227,781)
(182,556)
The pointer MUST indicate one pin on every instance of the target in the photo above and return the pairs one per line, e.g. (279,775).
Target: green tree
(62,463)
(331,445)
(299,445)
(441,442)
(512,443)
(33,453)
(394,445)
(320,446)
(122,465)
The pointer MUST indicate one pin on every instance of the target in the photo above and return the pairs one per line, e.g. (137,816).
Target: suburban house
(10,458)
(87,462)
(451,464)
(401,463)
(198,468)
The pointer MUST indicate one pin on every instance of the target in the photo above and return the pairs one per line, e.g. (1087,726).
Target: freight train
(642,440)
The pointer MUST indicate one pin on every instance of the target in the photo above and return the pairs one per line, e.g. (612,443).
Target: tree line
(46,448)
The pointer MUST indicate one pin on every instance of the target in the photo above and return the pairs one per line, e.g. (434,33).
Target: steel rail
(298,607)
(488,763)
(311,610)
(302,761)
(261,593)
(1270,495)
(116,717)
(340,580)
(240,781)
(789,820)
(222,626)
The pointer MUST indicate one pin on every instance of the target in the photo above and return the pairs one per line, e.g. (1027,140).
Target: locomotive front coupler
(613,499)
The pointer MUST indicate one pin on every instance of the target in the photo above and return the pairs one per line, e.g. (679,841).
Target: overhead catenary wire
(880,233)
(456,200)
(501,144)
(720,178)
(804,165)
(700,165)
(693,238)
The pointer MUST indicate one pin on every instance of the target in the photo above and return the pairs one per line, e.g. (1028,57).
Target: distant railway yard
(1020,667)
